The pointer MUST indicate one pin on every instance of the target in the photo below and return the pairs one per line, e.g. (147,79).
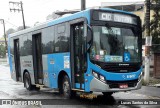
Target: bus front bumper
(98,86)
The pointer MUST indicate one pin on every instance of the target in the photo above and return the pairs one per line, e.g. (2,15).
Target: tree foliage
(52,16)
(155,26)
(9,31)
(21,28)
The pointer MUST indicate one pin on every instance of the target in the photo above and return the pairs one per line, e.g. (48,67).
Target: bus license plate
(123,86)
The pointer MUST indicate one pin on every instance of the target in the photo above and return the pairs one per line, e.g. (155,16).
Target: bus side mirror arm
(89,37)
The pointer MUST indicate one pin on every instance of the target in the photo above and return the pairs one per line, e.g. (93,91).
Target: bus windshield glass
(115,44)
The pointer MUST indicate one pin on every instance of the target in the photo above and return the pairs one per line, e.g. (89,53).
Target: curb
(155,85)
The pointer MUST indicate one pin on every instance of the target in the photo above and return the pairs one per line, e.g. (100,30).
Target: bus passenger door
(77,59)
(17,60)
(37,58)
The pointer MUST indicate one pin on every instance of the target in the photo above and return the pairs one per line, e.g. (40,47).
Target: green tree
(2,51)
(155,26)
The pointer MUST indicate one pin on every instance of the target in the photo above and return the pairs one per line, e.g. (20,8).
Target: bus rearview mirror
(89,34)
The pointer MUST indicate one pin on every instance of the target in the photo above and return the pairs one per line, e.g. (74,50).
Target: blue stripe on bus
(123,76)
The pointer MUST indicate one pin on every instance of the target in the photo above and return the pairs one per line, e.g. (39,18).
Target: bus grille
(115,84)
(122,69)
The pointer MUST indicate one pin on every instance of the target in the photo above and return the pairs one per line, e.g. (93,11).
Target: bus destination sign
(117,18)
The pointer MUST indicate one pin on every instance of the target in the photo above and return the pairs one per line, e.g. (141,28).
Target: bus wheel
(107,94)
(27,81)
(66,87)
(35,88)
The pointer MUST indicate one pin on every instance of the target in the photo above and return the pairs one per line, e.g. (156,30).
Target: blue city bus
(95,50)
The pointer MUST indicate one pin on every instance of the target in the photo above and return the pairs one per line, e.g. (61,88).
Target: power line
(20,8)
(11,23)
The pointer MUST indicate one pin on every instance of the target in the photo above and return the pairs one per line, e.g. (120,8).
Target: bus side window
(23,45)
(48,40)
(61,39)
(29,43)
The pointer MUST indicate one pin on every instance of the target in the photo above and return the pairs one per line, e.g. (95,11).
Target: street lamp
(4,33)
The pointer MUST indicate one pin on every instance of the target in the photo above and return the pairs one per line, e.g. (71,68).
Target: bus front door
(17,60)
(37,58)
(77,56)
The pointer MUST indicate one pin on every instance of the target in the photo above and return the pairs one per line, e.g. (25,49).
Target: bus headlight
(95,74)
(98,76)
(102,78)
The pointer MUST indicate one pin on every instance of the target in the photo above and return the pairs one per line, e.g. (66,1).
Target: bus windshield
(115,44)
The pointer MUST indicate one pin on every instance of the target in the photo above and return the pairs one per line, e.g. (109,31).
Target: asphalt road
(14,91)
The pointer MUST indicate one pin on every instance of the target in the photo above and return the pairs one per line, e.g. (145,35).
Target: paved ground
(3,61)
(10,89)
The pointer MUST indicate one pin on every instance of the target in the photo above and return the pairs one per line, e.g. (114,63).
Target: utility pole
(19,8)
(4,34)
(147,46)
(83,5)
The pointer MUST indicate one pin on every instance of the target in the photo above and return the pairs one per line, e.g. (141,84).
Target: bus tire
(66,87)
(27,81)
(107,94)
(35,88)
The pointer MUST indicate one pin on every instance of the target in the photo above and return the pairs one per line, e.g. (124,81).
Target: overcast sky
(37,10)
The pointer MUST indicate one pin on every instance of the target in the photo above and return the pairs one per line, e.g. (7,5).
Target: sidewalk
(3,62)
(150,92)
(153,82)
(157,85)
